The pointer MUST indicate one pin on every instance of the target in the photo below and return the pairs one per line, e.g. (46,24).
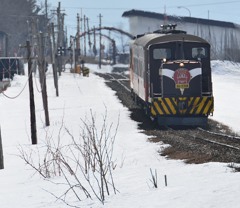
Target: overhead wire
(126,8)
(38,88)
(7,68)
(213,3)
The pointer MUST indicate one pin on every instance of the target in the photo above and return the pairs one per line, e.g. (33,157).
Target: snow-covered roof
(162,16)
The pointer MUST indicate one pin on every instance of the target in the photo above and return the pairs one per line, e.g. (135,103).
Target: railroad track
(121,79)
(225,140)
(200,145)
(211,137)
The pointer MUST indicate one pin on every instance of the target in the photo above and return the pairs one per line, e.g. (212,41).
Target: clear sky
(112,11)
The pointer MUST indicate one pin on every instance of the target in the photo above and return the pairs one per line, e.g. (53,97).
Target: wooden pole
(59,38)
(42,75)
(1,152)
(78,36)
(85,38)
(100,42)
(74,55)
(31,96)
(53,45)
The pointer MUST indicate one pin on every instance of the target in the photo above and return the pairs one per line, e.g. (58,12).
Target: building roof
(161,16)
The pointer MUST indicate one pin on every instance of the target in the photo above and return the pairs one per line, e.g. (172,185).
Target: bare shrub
(86,163)
(47,163)
(96,151)
(153,179)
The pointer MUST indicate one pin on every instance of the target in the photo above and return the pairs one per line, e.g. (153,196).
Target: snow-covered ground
(226,77)
(210,185)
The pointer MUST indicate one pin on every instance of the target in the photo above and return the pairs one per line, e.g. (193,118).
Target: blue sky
(112,10)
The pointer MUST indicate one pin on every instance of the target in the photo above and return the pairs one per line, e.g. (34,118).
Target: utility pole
(84,28)
(78,36)
(46,12)
(60,20)
(58,37)
(32,30)
(100,40)
(46,9)
(51,35)
(31,96)
(59,23)
(73,39)
(114,52)
(33,41)
(94,42)
(81,31)
(42,75)
(89,39)
(62,30)
(1,152)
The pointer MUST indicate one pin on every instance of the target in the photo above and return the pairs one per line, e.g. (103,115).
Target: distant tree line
(14,17)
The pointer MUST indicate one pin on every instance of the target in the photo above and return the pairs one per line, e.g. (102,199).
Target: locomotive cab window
(199,52)
(161,53)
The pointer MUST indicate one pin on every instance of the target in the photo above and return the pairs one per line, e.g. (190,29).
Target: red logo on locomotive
(182,78)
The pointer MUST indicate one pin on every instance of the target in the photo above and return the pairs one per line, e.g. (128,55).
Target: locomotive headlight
(181,64)
(164,60)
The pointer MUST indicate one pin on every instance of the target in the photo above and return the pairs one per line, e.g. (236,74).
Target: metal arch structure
(106,36)
(90,31)
(110,29)
(113,46)
(116,30)
(109,38)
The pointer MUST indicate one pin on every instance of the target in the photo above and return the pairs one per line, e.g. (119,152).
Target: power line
(127,8)
(207,4)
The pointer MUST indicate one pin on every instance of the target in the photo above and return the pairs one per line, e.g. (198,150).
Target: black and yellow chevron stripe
(185,106)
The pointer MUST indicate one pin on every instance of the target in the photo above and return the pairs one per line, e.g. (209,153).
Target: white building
(224,37)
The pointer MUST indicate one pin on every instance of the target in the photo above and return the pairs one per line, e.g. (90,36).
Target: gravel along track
(216,143)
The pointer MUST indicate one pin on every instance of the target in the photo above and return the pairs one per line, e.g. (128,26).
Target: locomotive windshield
(180,50)
(162,53)
(199,52)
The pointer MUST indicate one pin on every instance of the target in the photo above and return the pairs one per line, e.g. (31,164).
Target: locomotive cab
(175,56)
